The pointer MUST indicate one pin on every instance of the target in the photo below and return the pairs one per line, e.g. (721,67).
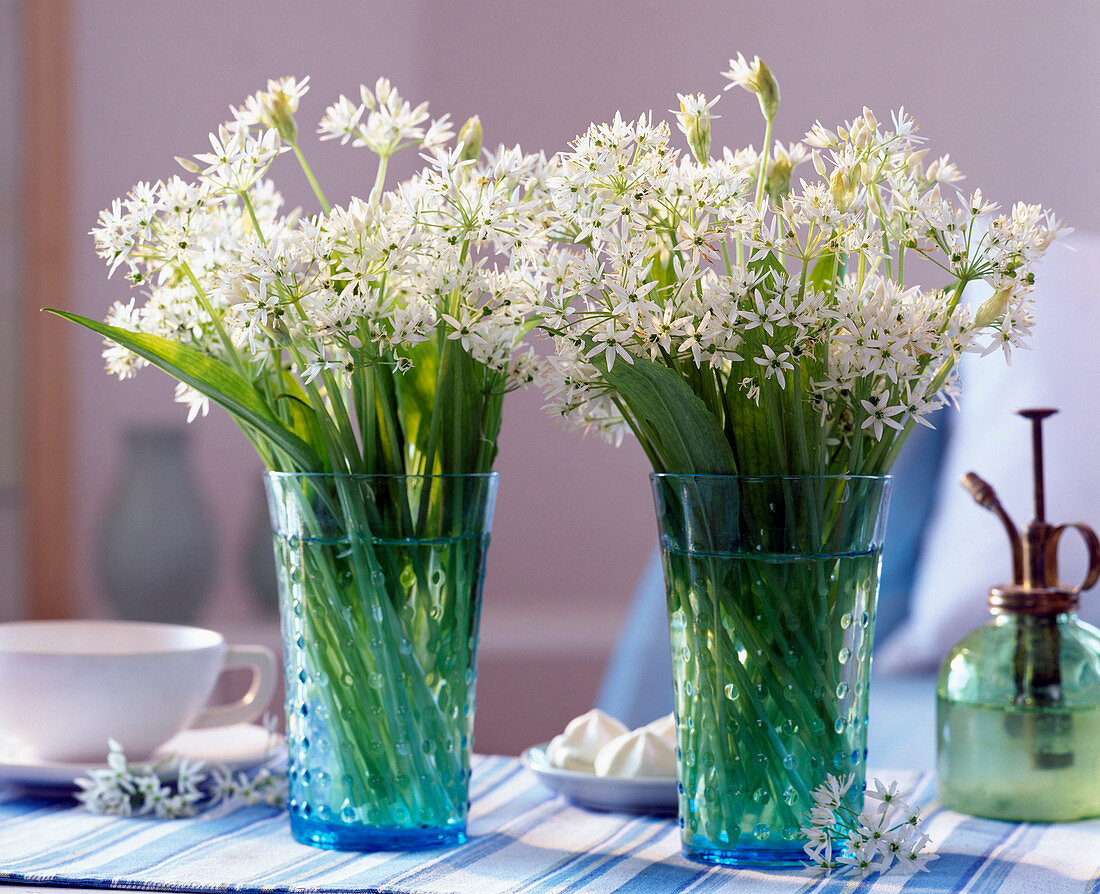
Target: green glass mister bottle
(1018,699)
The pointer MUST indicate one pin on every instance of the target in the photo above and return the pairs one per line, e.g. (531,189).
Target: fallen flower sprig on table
(174,787)
(886,834)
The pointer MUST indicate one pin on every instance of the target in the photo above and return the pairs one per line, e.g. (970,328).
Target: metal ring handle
(1092,546)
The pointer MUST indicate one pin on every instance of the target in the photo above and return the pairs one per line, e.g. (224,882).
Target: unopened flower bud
(279,114)
(993,308)
(779,176)
(276,106)
(844,187)
(276,330)
(757,78)
(766,89)
(695,123)
(469,137)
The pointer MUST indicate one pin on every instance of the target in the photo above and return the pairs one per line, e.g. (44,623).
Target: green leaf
(212,378)
(766,263)
(416,396)
(750,427)
(459,389)
(681,435)
(827,271)
(303,419)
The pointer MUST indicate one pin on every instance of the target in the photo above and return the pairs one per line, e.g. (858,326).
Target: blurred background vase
(157,547)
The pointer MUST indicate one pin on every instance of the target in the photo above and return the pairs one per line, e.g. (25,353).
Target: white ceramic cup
(67,687)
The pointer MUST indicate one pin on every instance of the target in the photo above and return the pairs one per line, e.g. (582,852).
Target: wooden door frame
(48,423)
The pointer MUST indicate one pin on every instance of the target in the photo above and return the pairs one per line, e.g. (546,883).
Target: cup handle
(261,661)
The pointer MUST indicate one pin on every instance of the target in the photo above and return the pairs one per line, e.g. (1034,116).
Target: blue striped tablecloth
(523,839)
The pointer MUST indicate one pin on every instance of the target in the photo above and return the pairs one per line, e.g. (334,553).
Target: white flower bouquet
(738,318)
(365,350)
(755,319)
(329,336)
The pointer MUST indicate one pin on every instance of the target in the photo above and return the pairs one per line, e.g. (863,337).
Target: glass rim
(656,476)
(463,476)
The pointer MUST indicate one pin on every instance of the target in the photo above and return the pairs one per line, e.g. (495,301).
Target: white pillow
(966,550)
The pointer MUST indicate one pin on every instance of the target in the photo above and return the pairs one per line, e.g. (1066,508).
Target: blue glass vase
(771,585)
(380,581)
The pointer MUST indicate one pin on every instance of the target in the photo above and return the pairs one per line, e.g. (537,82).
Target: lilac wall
(1007,89)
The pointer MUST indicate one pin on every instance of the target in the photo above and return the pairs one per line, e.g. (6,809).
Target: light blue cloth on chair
(637,684)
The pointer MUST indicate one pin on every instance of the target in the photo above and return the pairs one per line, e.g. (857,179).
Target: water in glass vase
(380,639)
(771,658)
(1019,764)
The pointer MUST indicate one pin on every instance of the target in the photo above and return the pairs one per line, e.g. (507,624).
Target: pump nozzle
(986,497)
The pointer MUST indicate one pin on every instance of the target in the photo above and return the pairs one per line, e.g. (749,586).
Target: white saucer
(241,746)
(612,793)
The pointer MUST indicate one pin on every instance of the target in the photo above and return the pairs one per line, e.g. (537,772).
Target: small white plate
(612,793)
(241,746)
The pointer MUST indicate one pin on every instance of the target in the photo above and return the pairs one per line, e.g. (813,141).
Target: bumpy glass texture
(771,586)
(380,587)
(1018,717)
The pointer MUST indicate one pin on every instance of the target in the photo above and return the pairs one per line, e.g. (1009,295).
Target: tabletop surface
(523,838)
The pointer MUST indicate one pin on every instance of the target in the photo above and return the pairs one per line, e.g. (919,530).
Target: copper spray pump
(1035,587)
(1018,699)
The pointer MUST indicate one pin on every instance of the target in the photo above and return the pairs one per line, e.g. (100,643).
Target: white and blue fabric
(523,839)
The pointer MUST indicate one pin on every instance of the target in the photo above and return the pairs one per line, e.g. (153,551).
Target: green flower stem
(247,200)
(772,402)
(727,660)
(362,614)
(362,393)
(762,175)
(884,231)
(231,351)
(335,663)
(492,413)
(786,634)
(314,185)
(726,257)
(380,176)
(343,431)
(956,297)
(756,734)
(798,421)
(392,454)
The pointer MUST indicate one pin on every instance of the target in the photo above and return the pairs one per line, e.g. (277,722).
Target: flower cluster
(316,308)
(884,835)
(757,284)
(174,787)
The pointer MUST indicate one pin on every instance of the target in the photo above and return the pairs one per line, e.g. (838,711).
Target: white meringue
(665,727)
(577,747)
(642,753)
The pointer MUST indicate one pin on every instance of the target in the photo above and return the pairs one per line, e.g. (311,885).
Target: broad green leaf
(681,434)
(749,426)
(827,271)
(303,419)
(416,394)
(768,262)
(210,377)
(461,380)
